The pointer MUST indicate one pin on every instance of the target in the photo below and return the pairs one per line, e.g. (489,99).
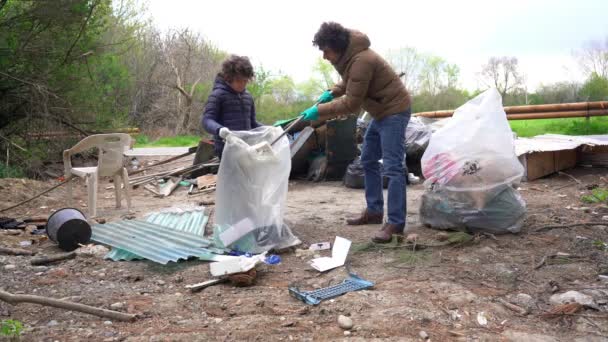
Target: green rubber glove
(325,97)
(311,114)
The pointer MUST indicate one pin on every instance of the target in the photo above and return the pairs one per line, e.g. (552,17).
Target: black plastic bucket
(68,228)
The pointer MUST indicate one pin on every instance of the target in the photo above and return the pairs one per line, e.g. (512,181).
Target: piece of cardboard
(338,256)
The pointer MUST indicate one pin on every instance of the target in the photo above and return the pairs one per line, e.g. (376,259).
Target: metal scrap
(152,241)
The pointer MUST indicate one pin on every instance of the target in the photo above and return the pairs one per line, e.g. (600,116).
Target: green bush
(11,171)
(11,328)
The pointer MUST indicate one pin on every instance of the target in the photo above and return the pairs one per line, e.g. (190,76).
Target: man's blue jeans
(384,139)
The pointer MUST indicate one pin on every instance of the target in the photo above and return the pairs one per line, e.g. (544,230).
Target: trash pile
(472,171)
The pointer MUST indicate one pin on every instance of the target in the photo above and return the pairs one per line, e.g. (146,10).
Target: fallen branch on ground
(91,310)
(513,307)
(44,260)
(15,251)
(540,229)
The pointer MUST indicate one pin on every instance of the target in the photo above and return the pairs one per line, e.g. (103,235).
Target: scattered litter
(563,309)
(238,264)
(304,253)
(338,256)
(423,335)
(605,217)
(272,259)
(199,286)
(574,297)
(481,319)
(11,223)
(25,243)
(92,250)
(319,246)
(352,283)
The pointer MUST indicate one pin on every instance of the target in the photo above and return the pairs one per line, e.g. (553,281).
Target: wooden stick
(539,229)
(513,307)
(44,260)
(541,263)
(572,177)
(15,251)
(62,304)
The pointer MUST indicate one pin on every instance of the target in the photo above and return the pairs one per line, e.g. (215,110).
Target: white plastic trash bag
(470,168)
(252,190)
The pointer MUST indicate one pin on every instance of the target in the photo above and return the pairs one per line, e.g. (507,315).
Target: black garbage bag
(502,210)
(354,177)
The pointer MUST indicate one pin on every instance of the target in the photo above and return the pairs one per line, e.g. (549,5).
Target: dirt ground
(439,292)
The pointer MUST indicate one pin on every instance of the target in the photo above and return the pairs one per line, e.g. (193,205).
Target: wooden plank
(565,159)
(539,164)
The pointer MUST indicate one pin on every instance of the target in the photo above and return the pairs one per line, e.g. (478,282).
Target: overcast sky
(542,34)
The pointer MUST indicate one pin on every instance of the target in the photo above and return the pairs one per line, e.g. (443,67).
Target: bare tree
(593,58)
(502,73)
(408,62)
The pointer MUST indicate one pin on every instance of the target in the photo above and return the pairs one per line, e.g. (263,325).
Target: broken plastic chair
(111,148)
(352,283)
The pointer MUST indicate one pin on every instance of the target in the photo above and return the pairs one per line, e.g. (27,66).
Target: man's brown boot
(385,235)
(366,218)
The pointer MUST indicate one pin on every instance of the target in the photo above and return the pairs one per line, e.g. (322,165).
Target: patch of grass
(11,171)
(567,126)
(11,328)
(409,257)
(598,195)
(176,141)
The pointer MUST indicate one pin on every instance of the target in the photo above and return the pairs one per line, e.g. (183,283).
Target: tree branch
(82,27)
(62,304)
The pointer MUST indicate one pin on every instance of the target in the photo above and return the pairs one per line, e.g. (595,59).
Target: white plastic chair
(110,164)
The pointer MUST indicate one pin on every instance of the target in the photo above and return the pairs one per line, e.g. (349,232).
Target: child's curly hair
(237,66)
(332,35)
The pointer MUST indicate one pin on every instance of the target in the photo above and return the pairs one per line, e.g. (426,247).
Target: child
(230,106)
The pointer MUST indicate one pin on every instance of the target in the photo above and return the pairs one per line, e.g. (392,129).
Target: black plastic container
(69,228)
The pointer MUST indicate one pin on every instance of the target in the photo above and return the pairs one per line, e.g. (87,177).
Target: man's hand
(325,97)
(311,114)
(224,132)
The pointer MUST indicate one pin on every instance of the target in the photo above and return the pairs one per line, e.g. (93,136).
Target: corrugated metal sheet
(151,241)
(190,221)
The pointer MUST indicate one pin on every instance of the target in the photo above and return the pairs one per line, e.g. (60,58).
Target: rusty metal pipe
(530,109)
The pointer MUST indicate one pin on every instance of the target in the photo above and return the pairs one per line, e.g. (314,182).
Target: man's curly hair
(332,35)
(236,66)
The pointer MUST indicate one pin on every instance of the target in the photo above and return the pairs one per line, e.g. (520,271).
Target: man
(369,82)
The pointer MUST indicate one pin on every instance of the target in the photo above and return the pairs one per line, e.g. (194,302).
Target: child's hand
(224,132)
